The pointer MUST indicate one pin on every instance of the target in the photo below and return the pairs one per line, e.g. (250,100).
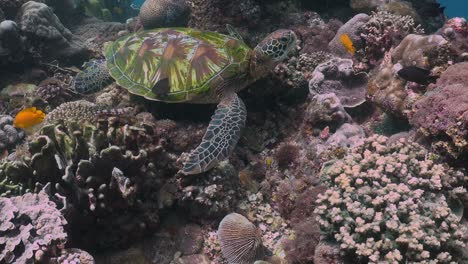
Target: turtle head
(272,50)
(277,45)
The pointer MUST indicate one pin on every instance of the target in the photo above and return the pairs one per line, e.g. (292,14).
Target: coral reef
(47,34)
(394,94)
(325,109)
(164,13)
(338,76)
(298,70)
(99,176)
(109,10)
(240,239)
(383,31)
(214,194)
(11,44)
(455,31)
(31,229)
(352,30)
(443,112)
(392,204)
(9,136)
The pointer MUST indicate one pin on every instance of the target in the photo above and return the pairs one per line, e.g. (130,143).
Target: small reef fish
(347,43)
(28,118)
(417,75)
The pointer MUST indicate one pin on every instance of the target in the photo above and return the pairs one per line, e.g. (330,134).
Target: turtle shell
(176,64)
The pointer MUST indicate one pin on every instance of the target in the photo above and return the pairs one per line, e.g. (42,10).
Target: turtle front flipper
(221,136)
(94,77)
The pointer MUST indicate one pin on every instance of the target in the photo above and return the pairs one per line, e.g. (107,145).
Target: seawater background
(455,8)
(138,3)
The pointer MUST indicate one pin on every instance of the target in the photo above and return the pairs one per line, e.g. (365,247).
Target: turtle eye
(284,39)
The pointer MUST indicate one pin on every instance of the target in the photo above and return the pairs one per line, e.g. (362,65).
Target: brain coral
(391,204)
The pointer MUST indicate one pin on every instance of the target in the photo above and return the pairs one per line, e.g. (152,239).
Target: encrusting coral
(393,204)
(443,112)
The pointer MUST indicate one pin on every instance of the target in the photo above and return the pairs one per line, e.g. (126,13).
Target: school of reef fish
(354,150)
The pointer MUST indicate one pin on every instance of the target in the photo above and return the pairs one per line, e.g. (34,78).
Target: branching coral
(393,204)
(383,31)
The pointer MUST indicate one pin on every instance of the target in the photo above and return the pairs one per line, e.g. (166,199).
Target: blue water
(138,3)
(455,8)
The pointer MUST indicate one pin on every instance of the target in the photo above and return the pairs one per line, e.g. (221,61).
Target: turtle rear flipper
(94,77)
(221,136)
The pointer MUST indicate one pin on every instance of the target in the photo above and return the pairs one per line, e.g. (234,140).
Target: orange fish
(28,118)
(347,43)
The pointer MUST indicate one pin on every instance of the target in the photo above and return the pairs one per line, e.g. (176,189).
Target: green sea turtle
(178,65)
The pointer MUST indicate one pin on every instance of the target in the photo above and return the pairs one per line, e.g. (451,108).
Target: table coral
(393,204)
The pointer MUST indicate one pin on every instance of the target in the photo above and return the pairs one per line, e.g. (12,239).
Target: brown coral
(240,240)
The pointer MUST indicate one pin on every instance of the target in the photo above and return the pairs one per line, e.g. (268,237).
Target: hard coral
(383,31)
(47,34)
(9,136)
(241,241)
(392,204)
(325,110)
(352,29)
(101,171)
(11,44)
(394,94)
(31,228)
(213,194)
(338,76)
(443,112)
(164,13)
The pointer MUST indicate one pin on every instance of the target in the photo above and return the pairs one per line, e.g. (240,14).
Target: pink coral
(30,226)
(443,112)
(383,200)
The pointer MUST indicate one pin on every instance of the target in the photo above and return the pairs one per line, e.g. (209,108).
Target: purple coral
(338,76)
(391,203)
(30,227)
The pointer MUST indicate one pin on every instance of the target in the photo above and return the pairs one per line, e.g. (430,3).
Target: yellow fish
(28,118)
(347,43)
